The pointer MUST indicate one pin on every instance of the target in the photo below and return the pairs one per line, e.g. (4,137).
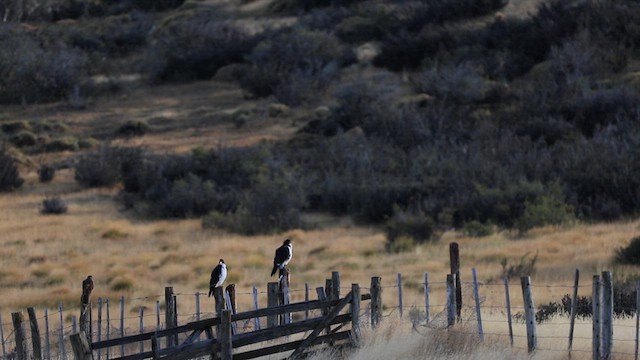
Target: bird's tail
(275,268)
(210,291)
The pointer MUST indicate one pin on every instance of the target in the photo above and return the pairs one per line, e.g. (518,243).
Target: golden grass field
(44,258)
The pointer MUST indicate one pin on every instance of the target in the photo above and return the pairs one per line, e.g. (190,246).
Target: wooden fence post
(255,307)
(20,336)
(47,343)
(35,334)
(607,314)
(157,315)
(427,314)
(454,258)
(171,318)
(74,328)
(376,301)
(574,305)
(197,295)
(355,313)
(108,332)
(508,304)
(451,299)
(272,301)
(63,353)
(596,326)
(328,288)
(218,296)
(99,330)
(476,295)
(81,347)
(322,296)
(637,318)
(306,299)
(529,313)
(226,346)
(122,324)
(141,327)
(230,300)
(400,306)
(4,348)
(335,285)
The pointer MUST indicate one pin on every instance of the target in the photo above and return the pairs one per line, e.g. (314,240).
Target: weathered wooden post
(637,319)
(376,301)
(596,312)
(35,334)
(171,317)
(508,304)
(61,348)
(335,285)
(400,305)
(218,296)
(226,346)
(4,347)
(272,301)
(283,295)
(47,343)
(355,313)
(426,298)
(476,295)
(20,337)
(230,301)
(529,313)
(322,296)
(99,323)
(108,318)
(574,305)
(328,288)
(454,258)
(122,324)
(607,315)
(306,299)
(141,327)
(256,307)
(81,347)
(451,299)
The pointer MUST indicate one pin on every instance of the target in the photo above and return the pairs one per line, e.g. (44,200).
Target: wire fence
(427,311)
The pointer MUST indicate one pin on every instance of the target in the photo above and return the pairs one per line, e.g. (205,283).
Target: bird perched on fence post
(282,257)
(87,287)
(218,275)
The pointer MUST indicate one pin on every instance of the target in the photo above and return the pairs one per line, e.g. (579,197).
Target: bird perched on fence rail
(218,275)
(87,287)
(282,257)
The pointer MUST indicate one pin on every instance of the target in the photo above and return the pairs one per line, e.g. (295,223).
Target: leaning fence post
(595,342)
(355,313)
(226,346)
(171,318)
(400,293)
(529,313)
(454,258)
(508,304)
(574,305)
(20,337)
(451,299)
(81,347)
(426,297)
(376,301)
(272,301)
(477,297)
(47,344)
(35,334)
(607,314)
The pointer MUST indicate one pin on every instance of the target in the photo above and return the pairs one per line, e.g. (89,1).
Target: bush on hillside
(9,175)
(418,227)
(30,72)
(46,173)
(296,66)
(53,205)
(195,47)
(629,254)
(102,167)
(545,210)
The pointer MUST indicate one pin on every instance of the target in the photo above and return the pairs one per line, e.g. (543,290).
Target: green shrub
(629,254)
(100,167)
(458,83)
(9,175)
(23,138)
(133,128)
(12,127)
(188,197)
(61,144)
(419,228)
(545,210)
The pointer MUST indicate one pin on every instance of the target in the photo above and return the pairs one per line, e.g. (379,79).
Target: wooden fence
(225,334)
